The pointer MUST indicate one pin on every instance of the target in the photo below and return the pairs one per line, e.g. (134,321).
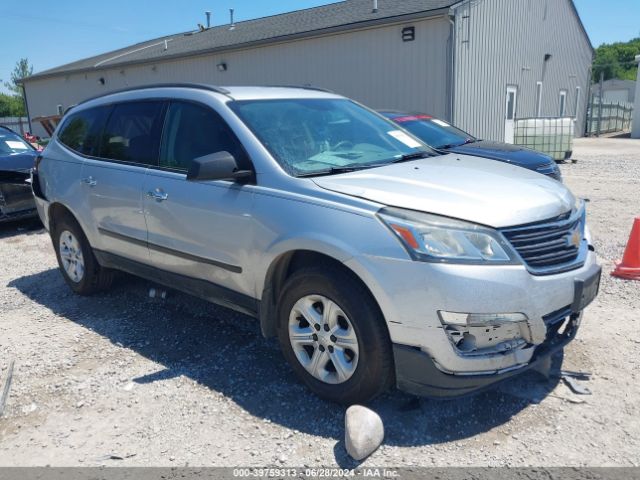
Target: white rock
(29,408)
(364,432)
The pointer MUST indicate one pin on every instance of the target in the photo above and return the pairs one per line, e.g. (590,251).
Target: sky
(52,33)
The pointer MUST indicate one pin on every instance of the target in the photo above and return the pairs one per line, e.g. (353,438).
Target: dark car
(17,158)
(445,137)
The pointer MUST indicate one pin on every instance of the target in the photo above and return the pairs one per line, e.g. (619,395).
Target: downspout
(452,67)
(26,107)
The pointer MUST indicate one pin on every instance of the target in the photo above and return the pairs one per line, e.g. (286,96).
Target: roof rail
(305,87)
(200,86)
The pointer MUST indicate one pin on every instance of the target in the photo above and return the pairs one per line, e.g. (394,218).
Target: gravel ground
(121,379)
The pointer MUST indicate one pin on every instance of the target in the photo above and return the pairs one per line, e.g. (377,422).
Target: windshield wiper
(336,170)
(353,167)
(407,158)
(447,146)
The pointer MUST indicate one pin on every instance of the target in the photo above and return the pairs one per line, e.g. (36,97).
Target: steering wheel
(343,145)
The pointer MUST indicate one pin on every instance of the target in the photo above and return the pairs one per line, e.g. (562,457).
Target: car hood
(18,162)
(459,186)
(524,157)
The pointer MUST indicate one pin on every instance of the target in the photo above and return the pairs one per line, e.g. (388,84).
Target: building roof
(301,23)
(343,15)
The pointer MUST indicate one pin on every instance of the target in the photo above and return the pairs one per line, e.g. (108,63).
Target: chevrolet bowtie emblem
(574,238)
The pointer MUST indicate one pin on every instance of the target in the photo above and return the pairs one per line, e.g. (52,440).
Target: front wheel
(334,336)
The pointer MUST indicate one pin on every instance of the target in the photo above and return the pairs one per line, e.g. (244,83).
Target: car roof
(232,93)
(278,92)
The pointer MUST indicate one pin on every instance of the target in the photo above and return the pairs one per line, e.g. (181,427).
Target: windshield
(323,136)
(434,132)
(11,143)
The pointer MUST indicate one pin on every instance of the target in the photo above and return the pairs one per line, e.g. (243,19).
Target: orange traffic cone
(629,268)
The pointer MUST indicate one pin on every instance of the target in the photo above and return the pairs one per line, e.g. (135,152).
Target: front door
(198,229)
(510,114)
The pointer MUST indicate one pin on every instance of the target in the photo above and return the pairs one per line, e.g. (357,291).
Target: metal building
(477,63)
(616,90)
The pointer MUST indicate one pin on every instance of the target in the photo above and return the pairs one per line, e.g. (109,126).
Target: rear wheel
(334,336)
(76,260)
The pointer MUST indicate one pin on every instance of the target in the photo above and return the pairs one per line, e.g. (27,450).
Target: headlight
(432,238)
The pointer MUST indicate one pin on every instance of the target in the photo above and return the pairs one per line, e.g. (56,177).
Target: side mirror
(216,166)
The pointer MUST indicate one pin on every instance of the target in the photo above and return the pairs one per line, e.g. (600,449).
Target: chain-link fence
(608,117)
(553,136)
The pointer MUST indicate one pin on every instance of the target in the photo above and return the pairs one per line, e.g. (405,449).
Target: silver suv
(375,260)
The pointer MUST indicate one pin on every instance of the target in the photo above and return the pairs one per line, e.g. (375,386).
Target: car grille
(550,246)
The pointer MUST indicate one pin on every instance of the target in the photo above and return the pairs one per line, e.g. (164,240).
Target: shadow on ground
(20,227)
(224,351)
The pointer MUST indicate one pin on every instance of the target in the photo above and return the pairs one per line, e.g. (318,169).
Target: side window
(193,131)
(81,132)
(133,131)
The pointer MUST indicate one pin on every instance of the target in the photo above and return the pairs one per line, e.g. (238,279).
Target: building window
(511,103)
(563,103)
(576,110)
(538,98)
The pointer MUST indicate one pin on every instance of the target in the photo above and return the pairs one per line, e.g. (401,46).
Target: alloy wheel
(71,256)
(323,339)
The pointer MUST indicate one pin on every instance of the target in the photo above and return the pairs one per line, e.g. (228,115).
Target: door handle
(158,195)
(92,182)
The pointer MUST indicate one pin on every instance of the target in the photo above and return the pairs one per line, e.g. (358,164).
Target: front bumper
(16,201)
(417,373)
(410,295)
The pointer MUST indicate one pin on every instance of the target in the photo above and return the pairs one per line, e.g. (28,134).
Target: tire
(358,339)
(71,245)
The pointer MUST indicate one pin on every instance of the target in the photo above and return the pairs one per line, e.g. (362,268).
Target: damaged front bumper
(459,328)
(417,373)
(16,198)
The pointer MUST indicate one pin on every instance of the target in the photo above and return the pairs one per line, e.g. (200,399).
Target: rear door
(113,179)
(202,229)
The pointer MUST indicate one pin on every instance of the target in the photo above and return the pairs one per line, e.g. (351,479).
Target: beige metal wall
(373,66)
(504,42)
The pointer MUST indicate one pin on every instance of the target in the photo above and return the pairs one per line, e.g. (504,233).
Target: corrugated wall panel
(504,42)
(373,66)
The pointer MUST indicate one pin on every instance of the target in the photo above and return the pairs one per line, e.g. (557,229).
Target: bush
(11,106)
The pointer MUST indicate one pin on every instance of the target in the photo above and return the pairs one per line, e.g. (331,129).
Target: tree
(22,70)
(616,60)
(13,105)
